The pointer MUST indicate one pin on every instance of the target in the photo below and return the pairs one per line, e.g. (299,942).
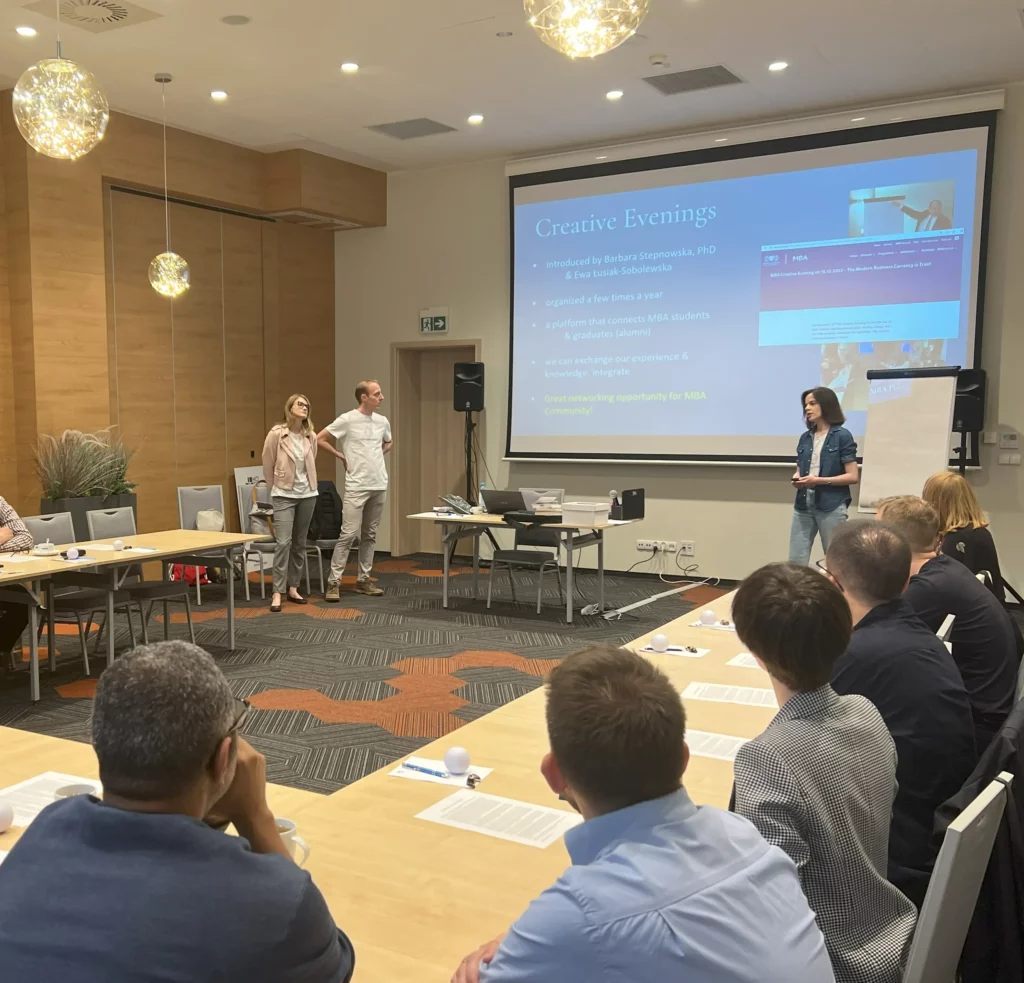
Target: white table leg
(600,571)
(476,567)
(445,565)
(229,553)
(110,618)
(568,576)
(33,634)
(51,655)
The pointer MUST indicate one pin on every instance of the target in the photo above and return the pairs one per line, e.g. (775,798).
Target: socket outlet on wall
(657,545)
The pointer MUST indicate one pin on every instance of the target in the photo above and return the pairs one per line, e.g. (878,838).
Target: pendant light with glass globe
(168,273)
(59,107)
(585,28)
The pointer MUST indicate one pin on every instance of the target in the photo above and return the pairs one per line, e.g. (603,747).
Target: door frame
(405,456)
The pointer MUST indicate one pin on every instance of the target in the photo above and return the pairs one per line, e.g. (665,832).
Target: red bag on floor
(188,574)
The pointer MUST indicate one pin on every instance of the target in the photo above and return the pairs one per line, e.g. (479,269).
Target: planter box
(78,507)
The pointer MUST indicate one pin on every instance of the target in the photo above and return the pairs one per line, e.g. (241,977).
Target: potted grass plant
(79,472)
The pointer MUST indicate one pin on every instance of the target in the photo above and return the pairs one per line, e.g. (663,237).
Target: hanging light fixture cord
(59,55)
(167,207)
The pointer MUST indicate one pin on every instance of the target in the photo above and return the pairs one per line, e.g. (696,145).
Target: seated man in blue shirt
(659,888)
(140,887)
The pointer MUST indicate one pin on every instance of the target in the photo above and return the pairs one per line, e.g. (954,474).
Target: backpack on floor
(326,521)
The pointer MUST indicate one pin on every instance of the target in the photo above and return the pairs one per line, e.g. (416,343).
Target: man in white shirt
(364,437)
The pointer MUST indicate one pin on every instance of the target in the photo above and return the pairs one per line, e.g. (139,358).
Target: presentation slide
(679,312)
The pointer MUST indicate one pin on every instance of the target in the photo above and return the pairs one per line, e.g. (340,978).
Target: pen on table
(426,771)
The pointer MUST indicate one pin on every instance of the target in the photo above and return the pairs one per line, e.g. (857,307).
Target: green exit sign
(434,320)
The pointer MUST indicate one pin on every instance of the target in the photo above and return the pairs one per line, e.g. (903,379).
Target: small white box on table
(585,513)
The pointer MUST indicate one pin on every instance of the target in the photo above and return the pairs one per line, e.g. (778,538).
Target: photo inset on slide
(902,208)
(844,366)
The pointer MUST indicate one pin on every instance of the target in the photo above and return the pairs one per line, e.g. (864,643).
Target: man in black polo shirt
(904,669)
(984,648)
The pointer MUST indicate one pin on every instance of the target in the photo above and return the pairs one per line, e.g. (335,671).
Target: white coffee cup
(292,841)
(70,791)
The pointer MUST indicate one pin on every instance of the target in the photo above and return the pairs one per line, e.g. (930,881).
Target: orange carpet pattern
(340,690)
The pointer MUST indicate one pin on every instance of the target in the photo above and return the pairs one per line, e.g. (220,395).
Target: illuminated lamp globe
(60,109)
(169,275)
(585,28)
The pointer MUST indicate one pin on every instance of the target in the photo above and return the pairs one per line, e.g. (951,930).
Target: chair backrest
(537,536)
(57,528)
(110,523)
(193,499)
(953,890)
(945,630)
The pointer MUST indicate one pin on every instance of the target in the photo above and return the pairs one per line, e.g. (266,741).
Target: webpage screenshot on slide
(681,311)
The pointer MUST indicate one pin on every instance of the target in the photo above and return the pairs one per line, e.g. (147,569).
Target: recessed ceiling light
(26,32)
(895,119)
(503,34)
(475,120)
(778,66)
(602,157)
(721,139)
(614,95)
(236,20)
(219,95)
(858,119)
(349,66)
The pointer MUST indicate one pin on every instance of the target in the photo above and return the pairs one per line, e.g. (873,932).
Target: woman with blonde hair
(289,466)
(963,526)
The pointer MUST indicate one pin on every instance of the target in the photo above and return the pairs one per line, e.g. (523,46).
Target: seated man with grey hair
(140,886)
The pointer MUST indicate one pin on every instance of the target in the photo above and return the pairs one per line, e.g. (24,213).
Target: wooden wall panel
(198,319)
(144,357)
(243,345)
(68,295)
(22,336)
(299,318)
(9,487)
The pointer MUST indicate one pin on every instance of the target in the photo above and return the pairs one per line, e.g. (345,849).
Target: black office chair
(540,560)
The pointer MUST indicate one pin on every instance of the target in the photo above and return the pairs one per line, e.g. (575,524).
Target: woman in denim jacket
(826,466)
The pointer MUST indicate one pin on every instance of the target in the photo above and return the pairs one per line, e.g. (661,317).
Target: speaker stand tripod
(472,492)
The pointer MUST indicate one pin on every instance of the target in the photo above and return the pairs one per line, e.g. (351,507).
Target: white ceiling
(442,59)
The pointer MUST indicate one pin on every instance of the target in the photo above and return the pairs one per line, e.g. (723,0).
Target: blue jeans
(805,525)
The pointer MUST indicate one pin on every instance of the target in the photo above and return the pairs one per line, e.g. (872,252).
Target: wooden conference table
(105,567)
(456,526)
(415,896)
(24,754)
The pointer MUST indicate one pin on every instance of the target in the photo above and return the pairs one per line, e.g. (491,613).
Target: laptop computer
(498,501)
(548,499)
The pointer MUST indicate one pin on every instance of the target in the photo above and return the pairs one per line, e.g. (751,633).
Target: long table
(24,754)
(106,567)
(414,896)
(457,526)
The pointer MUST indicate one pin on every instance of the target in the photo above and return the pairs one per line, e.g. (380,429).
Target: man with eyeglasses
(141,885)
(900,665)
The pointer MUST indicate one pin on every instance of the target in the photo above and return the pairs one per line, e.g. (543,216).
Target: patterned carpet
(340,690)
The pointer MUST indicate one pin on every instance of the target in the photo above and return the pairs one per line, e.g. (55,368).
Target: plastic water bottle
(483,485)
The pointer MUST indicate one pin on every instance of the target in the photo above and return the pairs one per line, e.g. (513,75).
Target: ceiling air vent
(693,80)
(96,16)
(410,129)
